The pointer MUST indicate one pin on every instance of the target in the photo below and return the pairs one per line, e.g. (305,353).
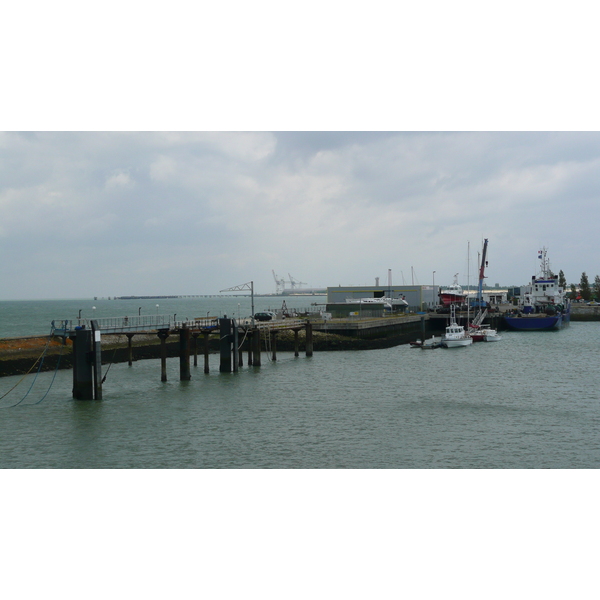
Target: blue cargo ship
(543,304)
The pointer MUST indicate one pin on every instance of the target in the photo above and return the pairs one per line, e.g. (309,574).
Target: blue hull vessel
(537,322)
(543,304)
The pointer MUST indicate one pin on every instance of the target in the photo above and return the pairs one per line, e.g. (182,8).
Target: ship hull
(537,322)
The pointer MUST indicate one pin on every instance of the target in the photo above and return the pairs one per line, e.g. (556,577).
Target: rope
(42,356)
(112,359)
(53,377)
(28,372)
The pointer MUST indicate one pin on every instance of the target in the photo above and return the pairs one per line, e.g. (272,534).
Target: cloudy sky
(333,149)
(103,214)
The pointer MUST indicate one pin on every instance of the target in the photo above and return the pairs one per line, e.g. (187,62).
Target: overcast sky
(85,212)
(104,214)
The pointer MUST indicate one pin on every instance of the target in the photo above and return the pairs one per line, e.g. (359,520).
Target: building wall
(419,297)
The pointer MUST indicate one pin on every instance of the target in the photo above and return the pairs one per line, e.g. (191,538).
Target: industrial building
(418,297)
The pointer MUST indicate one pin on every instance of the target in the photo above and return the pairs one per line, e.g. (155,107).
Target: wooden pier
(233,336)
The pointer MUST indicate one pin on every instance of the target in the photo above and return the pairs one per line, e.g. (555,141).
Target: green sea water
(530,401)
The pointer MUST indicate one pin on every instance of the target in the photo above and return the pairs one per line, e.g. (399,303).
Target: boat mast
(468,284)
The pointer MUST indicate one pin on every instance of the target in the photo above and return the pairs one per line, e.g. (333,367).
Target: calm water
(529,401)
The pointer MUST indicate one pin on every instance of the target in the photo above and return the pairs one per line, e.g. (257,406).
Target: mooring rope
(53,377)
(41,356)
(112,359)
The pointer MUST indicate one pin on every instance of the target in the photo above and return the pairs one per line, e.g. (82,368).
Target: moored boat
(455,335)
(543,304)
(453,294)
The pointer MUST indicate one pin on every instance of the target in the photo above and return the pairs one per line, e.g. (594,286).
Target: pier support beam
(184,354)
(309,339)
(225,345)
(163,334)
(195,335)
(250,338)
(129,348)
(97,360)
(83,380)
(296,345)
(234,343)
(256,347)
(273,335)
(206,347)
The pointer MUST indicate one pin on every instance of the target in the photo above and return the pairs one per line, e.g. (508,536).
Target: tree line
(585,291)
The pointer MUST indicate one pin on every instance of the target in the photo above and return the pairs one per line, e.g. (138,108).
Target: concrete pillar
(309,339)
(206,369)
(195,336)
(234,343)
(83,380)
(97,360)
(225,345)
(163,334)
(273,335)
(129,348)
(256,347)
(184,354)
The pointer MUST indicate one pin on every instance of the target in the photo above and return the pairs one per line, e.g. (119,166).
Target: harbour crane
(279,284)
(479,302)
(295,283)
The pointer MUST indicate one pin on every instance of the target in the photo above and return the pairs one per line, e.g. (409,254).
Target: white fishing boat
(455,336)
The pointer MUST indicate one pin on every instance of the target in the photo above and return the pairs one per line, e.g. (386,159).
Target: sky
(158,213)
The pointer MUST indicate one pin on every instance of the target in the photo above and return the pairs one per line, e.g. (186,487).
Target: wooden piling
(234,345)
(184,354)
(296,344)
(250,338)
(256,346)
(83,386)
(163,334)
(309,339)
(97,359)
(195,335)
(225,345)
(273,335)
(129,348)
(206,348)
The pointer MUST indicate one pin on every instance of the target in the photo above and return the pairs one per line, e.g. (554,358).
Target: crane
(294,282)
(279,284)
(483,265)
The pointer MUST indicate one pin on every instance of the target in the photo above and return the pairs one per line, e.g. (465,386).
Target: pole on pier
(97,360)
(296,345)
(273,335)
(206,334)
(309,339)
(256,347)
(163,334)
(83,381)
(195,335)
(250,337)
(184,353)
(129,348)
(234,343)
(225,345)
